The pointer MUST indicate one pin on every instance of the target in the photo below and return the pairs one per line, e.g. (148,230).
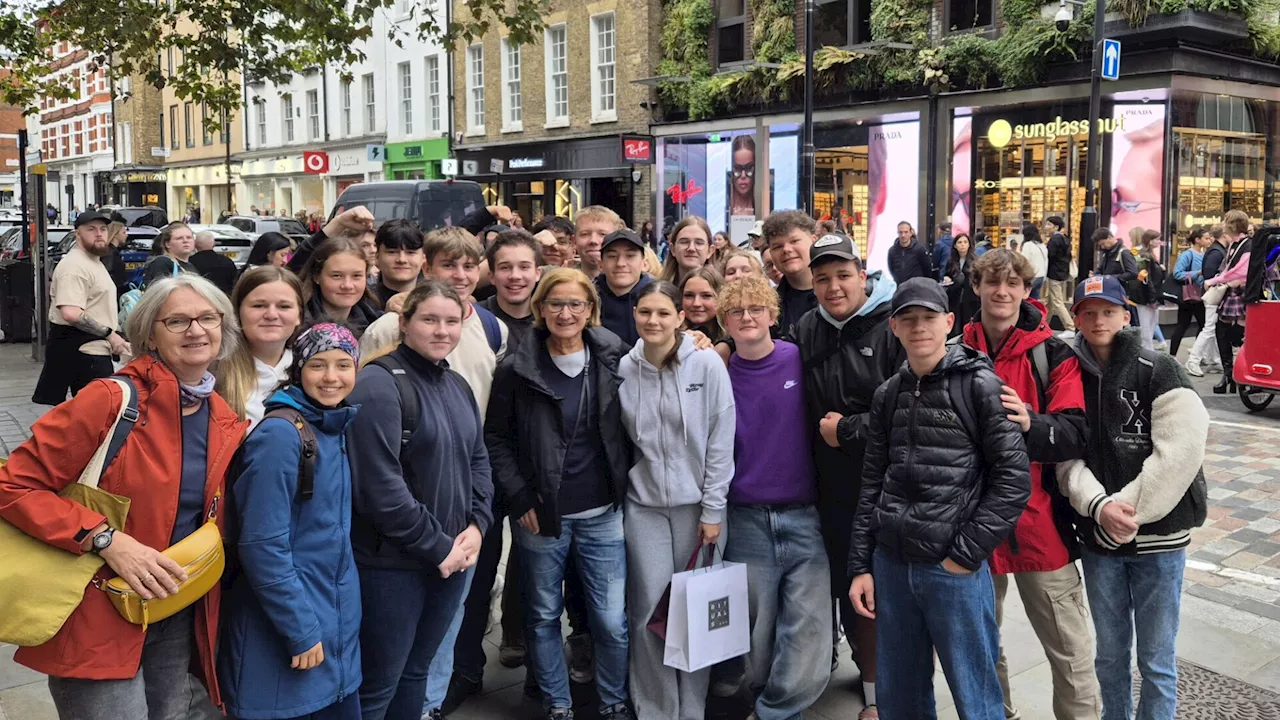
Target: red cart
(1257,365)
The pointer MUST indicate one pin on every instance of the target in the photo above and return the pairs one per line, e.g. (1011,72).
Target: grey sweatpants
(659,543)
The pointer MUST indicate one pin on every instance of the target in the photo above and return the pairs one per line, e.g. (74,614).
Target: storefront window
(311,194)
(861,190)
(261,194)
(528,200)
(1222,158)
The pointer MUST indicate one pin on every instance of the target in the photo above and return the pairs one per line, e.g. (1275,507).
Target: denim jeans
(468,656)
(598,547)
(789,599)
(920,608)
(441,670)
(1142,592)
(406,614)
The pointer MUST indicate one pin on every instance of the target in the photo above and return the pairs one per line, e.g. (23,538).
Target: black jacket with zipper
(1059,248)
(1119,262)
(1214,255)
(525,435)
(933,488)
(842,369)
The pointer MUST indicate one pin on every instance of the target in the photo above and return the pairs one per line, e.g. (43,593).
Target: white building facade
(75,135)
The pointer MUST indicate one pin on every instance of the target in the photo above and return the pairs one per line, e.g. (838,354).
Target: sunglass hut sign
(1001,133)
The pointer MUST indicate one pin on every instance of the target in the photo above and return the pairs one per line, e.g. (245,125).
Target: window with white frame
(288,118)
(260,107)
(475,89)
(313,114)
(370,105)
(346,108)
(604,48)
(557,64)
(512,102)
(433,93)
(405,73)
(126,142)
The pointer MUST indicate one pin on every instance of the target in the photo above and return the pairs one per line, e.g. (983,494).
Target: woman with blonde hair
(690,249)
(268,304)
(738,263)
(561,459)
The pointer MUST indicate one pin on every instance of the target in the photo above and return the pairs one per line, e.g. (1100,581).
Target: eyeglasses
(744,170)
(756,311)
(696,242)
(575,307)
(178,324)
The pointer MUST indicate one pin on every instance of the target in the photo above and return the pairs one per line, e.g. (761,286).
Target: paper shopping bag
(713,626)
(658,619)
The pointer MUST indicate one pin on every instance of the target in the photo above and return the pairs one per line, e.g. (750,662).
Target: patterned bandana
(191,395)
(322,337)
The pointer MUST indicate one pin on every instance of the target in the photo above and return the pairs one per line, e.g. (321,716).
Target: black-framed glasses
(744,170)
(179,324)
(575,307)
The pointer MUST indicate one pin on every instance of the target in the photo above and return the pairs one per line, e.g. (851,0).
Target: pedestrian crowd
(885,452)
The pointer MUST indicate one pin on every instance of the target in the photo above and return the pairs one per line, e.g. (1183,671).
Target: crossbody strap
(126,417)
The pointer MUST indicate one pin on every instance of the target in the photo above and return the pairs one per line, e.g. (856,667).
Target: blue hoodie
(297,584)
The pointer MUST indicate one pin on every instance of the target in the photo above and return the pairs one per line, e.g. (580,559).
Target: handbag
(1191,292)
(41,585)
(1214,295)
(202,558)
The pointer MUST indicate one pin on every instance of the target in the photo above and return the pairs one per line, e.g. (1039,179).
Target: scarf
(191,395)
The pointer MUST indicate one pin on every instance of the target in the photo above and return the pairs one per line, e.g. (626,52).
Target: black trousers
(1187,311)
(1229,337)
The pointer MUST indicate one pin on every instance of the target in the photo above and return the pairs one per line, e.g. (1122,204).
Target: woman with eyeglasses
(743,174)
(690,249)
(171,254)
(170,469)
(560,461)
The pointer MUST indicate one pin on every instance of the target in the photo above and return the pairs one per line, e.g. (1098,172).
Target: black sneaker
(560,714)
(433,715)
(617,712)
(460,689)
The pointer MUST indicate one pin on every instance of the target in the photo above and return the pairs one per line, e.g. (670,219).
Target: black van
(431,203)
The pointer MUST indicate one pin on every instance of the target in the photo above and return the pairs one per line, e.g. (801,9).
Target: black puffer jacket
(933,488)
(523,428)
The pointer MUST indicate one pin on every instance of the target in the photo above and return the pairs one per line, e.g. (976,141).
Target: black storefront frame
(590,159)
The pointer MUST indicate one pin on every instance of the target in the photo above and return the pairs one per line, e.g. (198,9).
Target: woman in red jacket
(171,467)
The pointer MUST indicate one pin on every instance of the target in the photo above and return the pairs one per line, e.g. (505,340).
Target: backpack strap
(307,456)
(408,398)
(1040,367)
(492,328)
(960,388)
(128,418)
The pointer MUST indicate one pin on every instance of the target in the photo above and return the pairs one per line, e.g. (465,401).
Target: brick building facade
(11,121)
(541,125)
(139,175)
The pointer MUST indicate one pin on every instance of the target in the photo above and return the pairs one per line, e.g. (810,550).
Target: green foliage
(773,33)
(686,29)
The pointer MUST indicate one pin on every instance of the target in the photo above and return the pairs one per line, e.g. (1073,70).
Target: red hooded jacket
(1044,539)
(96,643)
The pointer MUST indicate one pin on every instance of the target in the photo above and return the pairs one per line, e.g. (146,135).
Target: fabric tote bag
(41,585)
(708,620)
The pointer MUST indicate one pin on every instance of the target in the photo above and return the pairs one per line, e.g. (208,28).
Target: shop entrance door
(841,191)
(613,193)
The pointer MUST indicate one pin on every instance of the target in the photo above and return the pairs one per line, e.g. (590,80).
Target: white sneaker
(1193,369)
(1163,346)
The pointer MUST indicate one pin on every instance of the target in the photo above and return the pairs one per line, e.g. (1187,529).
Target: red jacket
(1044,539)
(96,643)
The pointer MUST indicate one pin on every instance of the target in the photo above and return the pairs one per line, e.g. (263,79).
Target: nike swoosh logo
(790,384)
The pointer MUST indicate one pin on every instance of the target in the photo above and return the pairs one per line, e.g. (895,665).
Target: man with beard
(82,316)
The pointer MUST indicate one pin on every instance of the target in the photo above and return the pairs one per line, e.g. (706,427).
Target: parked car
(135,253)
(143,216)
(431,203)
(11,239)
(255,225)
(229,241)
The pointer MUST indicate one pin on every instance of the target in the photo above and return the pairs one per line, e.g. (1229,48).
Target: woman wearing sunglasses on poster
(743,176)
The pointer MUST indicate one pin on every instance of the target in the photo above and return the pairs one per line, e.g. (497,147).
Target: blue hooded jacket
(297,584)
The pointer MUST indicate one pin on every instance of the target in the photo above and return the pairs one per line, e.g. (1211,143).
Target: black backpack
(408,403)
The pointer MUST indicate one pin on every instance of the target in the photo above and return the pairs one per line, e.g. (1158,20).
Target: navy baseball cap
(1100,287)
(920,292)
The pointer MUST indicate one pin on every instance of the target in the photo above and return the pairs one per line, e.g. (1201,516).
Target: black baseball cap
(920,292)
(832,246)
(90,216)
(622,235)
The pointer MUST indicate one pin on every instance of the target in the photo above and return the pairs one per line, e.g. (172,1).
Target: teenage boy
(621,279)
(515,265)
(591,225)
(560,252)
(1057,281)
(776,530)
(1139,492)
(1114,259)
(944,481)
(399,258)
(908,257)
(1044,396)
(789,235)
(848,350)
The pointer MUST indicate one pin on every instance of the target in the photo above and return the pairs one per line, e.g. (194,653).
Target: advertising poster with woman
(893,159)
(1137,168)
(961,174)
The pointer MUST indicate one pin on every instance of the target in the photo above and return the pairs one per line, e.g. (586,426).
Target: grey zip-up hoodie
(681,419)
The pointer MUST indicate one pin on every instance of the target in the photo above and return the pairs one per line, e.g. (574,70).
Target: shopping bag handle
(708,562)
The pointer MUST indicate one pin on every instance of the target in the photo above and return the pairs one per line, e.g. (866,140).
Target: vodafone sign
(315,163)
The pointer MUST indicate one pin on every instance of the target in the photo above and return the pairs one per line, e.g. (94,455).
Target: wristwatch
(102,540)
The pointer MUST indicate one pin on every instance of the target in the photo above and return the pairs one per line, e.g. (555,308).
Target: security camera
(1062,19)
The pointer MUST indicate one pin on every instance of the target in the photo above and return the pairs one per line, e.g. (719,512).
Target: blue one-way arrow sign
(1110,59)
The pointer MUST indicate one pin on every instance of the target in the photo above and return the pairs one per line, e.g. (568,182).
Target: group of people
(881,475)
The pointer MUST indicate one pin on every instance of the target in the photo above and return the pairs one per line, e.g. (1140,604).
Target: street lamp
(1089,217)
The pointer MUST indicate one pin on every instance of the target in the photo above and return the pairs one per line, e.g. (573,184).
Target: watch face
(102,540)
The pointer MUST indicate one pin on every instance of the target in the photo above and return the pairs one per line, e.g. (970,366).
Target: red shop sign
(637,149)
